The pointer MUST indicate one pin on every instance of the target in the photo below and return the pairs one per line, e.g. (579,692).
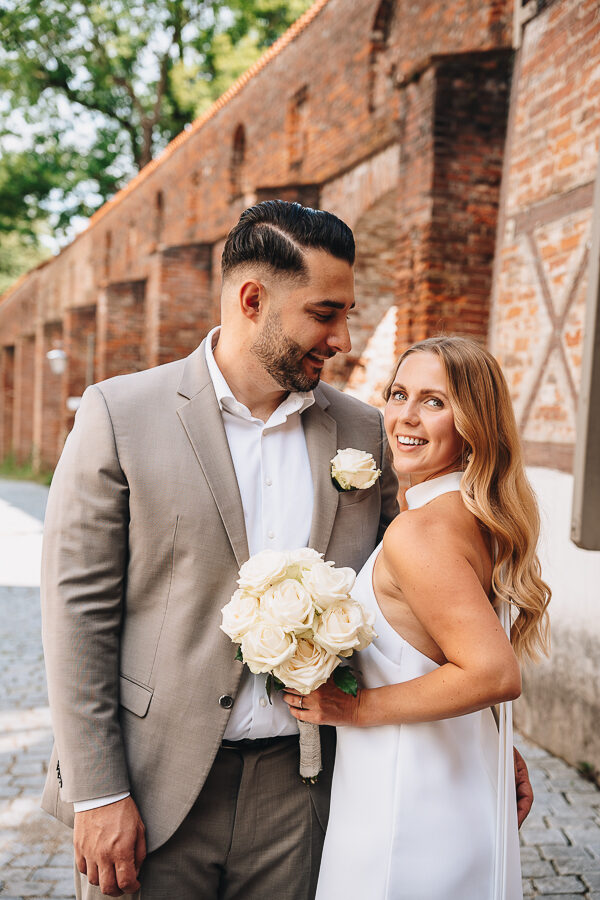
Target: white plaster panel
(572,573)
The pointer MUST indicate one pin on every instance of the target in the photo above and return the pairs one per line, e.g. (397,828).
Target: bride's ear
(466,455)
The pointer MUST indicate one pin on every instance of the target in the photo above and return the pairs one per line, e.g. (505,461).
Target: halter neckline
(423,493)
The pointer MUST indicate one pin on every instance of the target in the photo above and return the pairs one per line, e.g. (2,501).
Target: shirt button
(226,701)
(262,701)
(271,535)
(268,482)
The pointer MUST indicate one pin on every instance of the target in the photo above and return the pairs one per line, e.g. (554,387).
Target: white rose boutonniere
(353,470)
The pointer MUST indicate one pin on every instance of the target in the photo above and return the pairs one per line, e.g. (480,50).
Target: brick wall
(121,317)
(186,309)
(52,426)
(80,347)
(449,192)
(542,255)
(415,203)
(24,388)
(471,107)
(345,112)
(7,383)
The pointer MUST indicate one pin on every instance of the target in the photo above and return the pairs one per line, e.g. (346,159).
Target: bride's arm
(430,564)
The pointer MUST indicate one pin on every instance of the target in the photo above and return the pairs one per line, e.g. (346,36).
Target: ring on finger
(301,704)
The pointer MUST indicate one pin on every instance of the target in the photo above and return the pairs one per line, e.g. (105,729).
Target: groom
(181,774)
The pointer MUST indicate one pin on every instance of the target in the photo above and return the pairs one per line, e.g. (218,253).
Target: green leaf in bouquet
(273,683)
(238,654)
(345,679)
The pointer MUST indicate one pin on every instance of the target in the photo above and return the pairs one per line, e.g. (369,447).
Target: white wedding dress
(426,811)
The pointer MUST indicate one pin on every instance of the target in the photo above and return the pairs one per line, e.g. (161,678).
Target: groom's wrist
(84,805)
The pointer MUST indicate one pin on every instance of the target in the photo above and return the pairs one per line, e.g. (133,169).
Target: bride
(423,799)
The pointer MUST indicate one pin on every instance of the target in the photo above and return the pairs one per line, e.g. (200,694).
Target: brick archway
(376,293)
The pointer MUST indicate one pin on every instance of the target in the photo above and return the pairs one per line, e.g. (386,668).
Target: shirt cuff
(83,805)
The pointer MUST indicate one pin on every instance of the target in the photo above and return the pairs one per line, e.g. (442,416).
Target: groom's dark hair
(274,233)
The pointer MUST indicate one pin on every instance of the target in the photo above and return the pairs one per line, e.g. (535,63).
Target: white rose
(366,633)
(304,556)
(288,604)
(262,570)
(266,645)
(308,668)
(327,584)
(302,559)
(239,615)
(340,627)
(354,469)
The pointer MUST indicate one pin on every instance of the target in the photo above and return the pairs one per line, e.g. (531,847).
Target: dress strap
(505,807)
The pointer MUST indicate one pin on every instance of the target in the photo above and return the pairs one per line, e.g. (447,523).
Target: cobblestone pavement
(35,851)
(560,839)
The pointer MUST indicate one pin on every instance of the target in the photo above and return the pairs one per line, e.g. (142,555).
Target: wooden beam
(585,522)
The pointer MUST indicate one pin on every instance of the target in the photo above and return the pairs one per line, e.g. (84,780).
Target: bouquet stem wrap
(310,751)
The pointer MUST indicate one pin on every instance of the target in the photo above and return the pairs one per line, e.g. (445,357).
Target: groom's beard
(282,357)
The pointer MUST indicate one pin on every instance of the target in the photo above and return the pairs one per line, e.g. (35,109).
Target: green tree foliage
(18,254)
(92,90)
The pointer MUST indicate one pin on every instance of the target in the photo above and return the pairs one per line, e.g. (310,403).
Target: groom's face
(306,323)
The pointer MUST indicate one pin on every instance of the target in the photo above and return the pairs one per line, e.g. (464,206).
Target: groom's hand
(524,789)
(110,846)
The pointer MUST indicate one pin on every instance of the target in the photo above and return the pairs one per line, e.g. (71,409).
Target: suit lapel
(203,423)
(320,430)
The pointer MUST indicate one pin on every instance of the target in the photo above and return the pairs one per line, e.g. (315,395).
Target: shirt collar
(296,401)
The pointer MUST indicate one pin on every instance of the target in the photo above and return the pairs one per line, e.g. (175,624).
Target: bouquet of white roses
(294,620)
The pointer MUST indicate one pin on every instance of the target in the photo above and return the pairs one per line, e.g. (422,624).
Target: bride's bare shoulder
(442,527)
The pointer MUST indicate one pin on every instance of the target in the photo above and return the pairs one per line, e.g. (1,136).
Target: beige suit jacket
(144,536)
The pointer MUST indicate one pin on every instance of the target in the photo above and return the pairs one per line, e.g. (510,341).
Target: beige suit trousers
(253,834)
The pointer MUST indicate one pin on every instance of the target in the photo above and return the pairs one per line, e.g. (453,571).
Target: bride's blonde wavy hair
(494,485)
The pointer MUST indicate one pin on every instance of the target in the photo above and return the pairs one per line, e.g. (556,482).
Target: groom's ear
(252,296)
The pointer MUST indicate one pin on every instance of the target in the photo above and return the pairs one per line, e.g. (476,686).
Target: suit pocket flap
(348,498)
(134,697)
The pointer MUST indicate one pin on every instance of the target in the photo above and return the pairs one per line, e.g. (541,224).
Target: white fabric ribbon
(506,782)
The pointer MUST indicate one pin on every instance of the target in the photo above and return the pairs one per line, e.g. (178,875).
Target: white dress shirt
(275,481)
(273,474)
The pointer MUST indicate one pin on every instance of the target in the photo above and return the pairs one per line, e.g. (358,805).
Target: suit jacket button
(226,701)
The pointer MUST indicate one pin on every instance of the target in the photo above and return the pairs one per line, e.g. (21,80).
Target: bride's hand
(326,706)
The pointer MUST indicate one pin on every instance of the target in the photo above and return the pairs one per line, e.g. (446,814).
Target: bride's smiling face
(419,421)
